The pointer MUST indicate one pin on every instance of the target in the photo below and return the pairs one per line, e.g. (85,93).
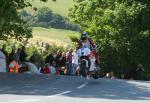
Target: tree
(11,24)
(120,27)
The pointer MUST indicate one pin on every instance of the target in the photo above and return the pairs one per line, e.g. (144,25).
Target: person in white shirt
(32,68)
(2,62)
(74,62)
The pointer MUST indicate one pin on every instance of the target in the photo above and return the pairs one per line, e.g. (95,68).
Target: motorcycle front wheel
(83,68)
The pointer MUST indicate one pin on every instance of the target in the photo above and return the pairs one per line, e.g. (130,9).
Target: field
(51,35)
(60,6)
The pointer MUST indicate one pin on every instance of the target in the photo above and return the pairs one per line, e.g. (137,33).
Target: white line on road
(35,100)
(23,101)
(83,85)
(66,92)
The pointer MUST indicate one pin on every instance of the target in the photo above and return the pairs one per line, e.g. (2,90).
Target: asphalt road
(25,88)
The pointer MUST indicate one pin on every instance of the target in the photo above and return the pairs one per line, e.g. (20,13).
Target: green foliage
(44,17)
(120,27)
(11,25)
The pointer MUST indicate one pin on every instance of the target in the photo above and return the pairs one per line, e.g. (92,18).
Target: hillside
(57,36)
(61,6)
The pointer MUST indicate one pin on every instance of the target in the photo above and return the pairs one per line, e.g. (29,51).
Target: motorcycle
(88,66)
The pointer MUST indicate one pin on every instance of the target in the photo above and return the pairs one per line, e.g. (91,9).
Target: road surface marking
(23,101)
(66,92)
(83,85)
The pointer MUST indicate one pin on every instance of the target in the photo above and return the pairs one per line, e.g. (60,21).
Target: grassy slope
(57,36)
(61,6)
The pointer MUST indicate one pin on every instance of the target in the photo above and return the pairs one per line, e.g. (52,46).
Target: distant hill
(61,6)
(56,36)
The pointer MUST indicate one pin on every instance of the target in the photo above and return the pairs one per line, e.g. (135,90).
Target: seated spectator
(122,76)
(14,67)
(112,75)
(47,68)
(63,70)
(53,69)
(32,68)
(107,75)
(23,68)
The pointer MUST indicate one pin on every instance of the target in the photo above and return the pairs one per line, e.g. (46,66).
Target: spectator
(14,65)
(74,62)
(47,68)
(4,51)
(140,72)
(23,55)
(49,59)
(112,75)
(10,57)
(58,59)
(33,58)
(63,64)
(69,60)
(122,76)
(53,69)
(32,68)
(107,75)
(16,56)
(2,62)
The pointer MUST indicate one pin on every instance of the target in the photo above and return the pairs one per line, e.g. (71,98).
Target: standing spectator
(74,62)
(16,56)
(10,57)
(63,64)
(69,60)
(23,55)
(33,58)
(58,59)
(4,51)
(49,59)
(140,72)
(2,62)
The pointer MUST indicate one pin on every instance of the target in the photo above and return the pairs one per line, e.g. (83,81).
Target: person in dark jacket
(10,57)
(23,55)
(49,59)
(33,58)
(62,64)
(140,72)
(58,59)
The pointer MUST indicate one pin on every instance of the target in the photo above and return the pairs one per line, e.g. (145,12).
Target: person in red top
(47,68)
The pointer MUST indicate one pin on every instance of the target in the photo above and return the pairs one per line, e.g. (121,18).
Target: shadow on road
(42,85)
